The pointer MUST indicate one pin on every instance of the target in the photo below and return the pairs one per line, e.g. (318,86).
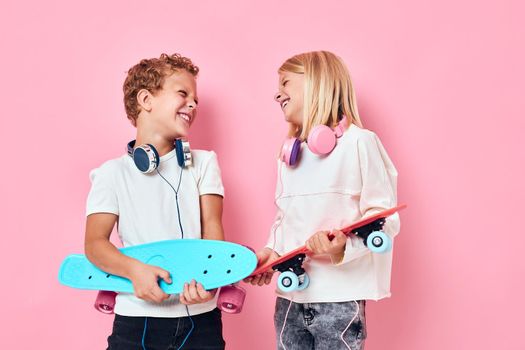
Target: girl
(334,173)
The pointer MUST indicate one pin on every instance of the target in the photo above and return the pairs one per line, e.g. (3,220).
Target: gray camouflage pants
(319,325)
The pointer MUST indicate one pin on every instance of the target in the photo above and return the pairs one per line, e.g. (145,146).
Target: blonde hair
(328,91)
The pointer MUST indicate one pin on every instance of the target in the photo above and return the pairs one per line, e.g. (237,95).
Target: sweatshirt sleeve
(275,240)
(378,192)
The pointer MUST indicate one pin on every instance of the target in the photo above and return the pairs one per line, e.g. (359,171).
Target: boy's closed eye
(183,93)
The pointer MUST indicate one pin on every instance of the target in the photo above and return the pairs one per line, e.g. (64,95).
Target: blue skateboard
(212,263)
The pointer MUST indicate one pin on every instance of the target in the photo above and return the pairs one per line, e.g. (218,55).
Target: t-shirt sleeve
(210,181)
(378,193)
(102,197)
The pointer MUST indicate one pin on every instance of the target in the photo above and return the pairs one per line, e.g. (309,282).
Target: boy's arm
(99,250)
(102,253)
(211,217)
(211,223)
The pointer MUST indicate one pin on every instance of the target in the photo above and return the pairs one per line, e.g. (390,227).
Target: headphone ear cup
(321,140)
(290,151)
(182,149)
(146,158)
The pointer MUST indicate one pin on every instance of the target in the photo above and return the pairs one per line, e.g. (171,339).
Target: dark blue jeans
(167,333)
(319,326)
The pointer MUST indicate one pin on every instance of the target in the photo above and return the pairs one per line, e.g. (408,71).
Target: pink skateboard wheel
(231,299)
(105,301)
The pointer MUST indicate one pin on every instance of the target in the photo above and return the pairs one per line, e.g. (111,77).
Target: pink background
(441,83)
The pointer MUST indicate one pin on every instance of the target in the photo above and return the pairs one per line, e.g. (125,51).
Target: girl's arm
(319,243)
(379,191)
(264,256)
(379,177)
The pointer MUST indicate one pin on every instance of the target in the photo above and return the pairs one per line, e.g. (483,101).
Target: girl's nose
(277,97)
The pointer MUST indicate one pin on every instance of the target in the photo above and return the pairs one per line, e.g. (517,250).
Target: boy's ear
(144,100)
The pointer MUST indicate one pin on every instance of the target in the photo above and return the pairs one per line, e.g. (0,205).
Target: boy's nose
(277,97)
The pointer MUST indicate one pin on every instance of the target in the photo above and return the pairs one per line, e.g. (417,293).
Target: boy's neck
(162,145)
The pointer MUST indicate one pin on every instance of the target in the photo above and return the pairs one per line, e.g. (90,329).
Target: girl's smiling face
(291,96)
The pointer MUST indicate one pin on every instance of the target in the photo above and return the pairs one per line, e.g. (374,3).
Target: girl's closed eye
(183,93)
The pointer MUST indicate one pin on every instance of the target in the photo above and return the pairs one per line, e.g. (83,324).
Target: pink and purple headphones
(321,141)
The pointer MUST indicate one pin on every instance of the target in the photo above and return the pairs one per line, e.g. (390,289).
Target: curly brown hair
(150,74)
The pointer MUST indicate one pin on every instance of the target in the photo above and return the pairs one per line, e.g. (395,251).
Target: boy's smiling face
(173,108)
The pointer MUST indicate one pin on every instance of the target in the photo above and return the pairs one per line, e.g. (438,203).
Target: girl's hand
(145,280)
(194,293)
(319,243)
(264,256)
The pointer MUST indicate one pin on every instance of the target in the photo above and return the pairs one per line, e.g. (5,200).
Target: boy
(168,201)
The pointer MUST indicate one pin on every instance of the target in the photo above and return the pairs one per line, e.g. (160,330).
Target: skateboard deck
(361,228)
(212,263)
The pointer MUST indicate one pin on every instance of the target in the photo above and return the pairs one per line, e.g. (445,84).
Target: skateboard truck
(293,276)
(373,236)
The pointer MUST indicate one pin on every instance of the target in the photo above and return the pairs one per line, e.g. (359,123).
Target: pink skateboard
(293,276)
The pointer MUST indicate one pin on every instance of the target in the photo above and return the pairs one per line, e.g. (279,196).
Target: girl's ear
(144,100)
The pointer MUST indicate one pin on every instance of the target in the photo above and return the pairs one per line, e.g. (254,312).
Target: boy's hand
(264,256)
(145,279)
(319,243)
(194,293)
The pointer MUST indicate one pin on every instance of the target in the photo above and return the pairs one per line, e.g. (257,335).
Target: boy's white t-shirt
(147,212)
(357,179)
